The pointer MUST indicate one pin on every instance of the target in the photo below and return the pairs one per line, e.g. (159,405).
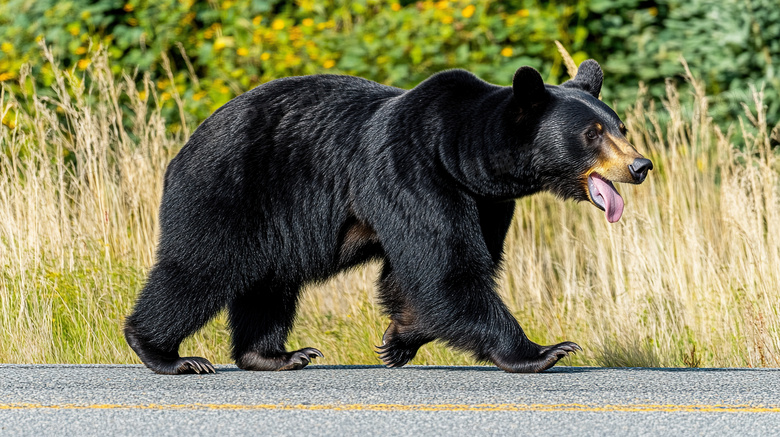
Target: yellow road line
(645,408)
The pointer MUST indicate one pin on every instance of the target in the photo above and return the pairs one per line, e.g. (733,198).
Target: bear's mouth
(604,195)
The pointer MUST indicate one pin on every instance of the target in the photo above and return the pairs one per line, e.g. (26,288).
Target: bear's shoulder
(453,86)
(324,83)
(455,79)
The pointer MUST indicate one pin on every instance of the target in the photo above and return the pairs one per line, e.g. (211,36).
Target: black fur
(303,177)
(589,78)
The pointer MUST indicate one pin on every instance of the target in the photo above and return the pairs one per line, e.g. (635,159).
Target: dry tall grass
(690,276)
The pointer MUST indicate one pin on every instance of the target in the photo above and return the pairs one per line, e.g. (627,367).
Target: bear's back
(286,112)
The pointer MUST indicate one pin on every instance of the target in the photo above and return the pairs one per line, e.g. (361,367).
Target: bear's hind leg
(172,306)
(260,320)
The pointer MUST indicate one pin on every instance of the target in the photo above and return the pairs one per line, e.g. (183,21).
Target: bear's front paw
(395,355)
(400,344)
(558,351)
(540,360)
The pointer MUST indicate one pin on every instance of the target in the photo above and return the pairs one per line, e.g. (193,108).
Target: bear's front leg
(442,285)
(401,341)
(482,326)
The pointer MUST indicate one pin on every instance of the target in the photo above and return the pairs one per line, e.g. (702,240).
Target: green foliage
(218,49)
(729,44)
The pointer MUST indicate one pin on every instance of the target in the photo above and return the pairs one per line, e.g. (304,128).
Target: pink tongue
(613,203)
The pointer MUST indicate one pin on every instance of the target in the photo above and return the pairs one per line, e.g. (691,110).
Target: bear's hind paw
(193,365)
(181,366)
(301,358)
(287,361)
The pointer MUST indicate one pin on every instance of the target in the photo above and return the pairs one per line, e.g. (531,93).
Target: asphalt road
(371,400)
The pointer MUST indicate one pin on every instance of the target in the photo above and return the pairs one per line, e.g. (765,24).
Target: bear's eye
(592,134)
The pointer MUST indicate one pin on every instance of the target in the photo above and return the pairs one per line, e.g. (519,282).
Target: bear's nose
(639,169)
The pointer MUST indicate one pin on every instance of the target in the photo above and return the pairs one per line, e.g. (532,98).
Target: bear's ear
(528,86)
(589,78)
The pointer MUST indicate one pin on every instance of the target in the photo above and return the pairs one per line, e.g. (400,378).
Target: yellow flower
(9,120)
(308,22)
(326,25)
(291,60)
(265,56)
(468,11)
(396,7)
(444,4)
(269,36)
(7,47)
(199,95)
(330,63)
(507,52)
(142,95)
(242,51)
(165,96)
(447,19)
(523,13)
(6,76)
(83,64)
(81,50)
(306,5)
(222,42)
(257,20)
(277,24)
(128,7)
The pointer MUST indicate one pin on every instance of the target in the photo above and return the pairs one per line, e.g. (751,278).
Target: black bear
(303,177)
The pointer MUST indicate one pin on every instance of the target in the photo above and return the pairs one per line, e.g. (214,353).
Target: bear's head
(577,143)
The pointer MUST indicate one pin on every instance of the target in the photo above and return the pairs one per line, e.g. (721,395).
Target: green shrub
(232,46)
(729,44)
(220,49)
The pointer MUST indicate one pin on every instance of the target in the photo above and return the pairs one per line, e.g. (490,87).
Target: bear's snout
(639,169)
